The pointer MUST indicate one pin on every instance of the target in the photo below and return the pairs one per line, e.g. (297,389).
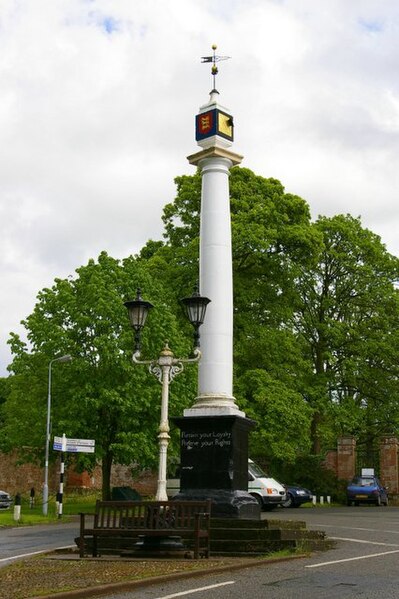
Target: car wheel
(289,501)
(269,508)
(378,502)
(259,500)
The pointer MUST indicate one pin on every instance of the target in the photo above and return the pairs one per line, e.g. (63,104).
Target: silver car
(5,500)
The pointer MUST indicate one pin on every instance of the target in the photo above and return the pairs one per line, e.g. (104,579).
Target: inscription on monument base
(214,464)
(214,452)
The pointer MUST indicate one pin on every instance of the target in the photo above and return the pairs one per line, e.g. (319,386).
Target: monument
(214,432)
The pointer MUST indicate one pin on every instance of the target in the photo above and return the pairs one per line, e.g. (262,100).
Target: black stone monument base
(225,503)
(214,464)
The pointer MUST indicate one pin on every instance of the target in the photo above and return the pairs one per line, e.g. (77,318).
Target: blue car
(296,496)
(366,489)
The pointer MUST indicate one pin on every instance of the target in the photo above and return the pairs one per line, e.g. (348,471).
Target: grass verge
(72,504)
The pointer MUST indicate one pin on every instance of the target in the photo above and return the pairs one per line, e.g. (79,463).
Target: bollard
(57,503)
(17,507)
(328,499)
(321,500)
(314,499)
(32,498)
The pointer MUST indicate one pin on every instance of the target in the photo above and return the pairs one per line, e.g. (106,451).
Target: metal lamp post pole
(66,358)
(165,368)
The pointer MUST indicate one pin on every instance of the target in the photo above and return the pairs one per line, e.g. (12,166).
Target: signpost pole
(62,470)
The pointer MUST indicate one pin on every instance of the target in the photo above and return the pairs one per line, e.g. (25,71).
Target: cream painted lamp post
(166,366)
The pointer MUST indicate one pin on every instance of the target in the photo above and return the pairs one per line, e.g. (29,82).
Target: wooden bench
(189,520)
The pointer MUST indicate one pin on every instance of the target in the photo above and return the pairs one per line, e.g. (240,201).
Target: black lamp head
(138,310)
(195,309)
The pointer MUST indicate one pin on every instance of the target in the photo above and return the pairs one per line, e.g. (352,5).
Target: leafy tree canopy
(100,394)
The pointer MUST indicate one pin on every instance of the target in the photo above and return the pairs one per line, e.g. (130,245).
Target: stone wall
(20,478)
(342,461)
(389,464)
(346,458)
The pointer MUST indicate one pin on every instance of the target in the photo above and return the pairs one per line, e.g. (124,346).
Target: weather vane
(214,59)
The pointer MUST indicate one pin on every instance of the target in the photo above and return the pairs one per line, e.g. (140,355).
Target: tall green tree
(4,393)
(315,313)
(100,394)
(347,324)
(271,237)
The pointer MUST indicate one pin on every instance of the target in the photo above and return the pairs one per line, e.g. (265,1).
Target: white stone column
(216,282)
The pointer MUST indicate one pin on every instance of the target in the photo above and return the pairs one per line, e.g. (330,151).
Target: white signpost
(63,444)
(74,445)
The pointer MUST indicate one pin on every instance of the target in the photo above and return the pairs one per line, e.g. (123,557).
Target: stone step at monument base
(248,538)
(269,523)
(263,534)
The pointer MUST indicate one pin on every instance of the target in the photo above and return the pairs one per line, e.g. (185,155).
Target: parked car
(5,500)
(366,489)
(268,492)
(296,496)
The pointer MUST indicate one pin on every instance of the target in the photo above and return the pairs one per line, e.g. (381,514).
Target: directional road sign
(75,445)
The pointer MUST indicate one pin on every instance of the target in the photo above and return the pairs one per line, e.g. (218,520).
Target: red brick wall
(331,459)
(346,458)
(20,478)
(389,463)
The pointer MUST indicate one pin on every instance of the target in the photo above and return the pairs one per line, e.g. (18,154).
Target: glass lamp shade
(195,308)
(138,310)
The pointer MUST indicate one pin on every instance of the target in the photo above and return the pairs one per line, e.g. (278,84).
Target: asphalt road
(30,540)
(363,564)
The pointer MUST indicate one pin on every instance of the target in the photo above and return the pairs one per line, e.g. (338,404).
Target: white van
(267,491)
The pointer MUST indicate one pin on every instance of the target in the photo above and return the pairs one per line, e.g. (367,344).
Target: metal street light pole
(166,367)
(66,358)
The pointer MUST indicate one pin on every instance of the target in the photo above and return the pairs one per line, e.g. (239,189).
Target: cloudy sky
(97,105)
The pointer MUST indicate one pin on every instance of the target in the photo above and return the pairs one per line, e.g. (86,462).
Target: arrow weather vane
(214,59)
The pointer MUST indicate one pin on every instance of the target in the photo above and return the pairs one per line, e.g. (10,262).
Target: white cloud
(97,105)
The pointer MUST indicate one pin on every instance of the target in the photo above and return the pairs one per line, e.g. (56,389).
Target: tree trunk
(314,432)
(106,474)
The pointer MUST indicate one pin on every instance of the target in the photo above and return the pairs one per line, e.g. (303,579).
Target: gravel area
(46,575)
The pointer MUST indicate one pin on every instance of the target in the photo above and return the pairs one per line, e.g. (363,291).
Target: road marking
(351,559)
(392,532)
(20,556)
(363,541)
(190,591)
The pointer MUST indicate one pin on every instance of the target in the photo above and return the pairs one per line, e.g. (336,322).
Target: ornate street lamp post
(66,358)
(166,366)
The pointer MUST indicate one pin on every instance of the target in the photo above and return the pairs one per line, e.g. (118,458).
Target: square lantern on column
(213,122)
